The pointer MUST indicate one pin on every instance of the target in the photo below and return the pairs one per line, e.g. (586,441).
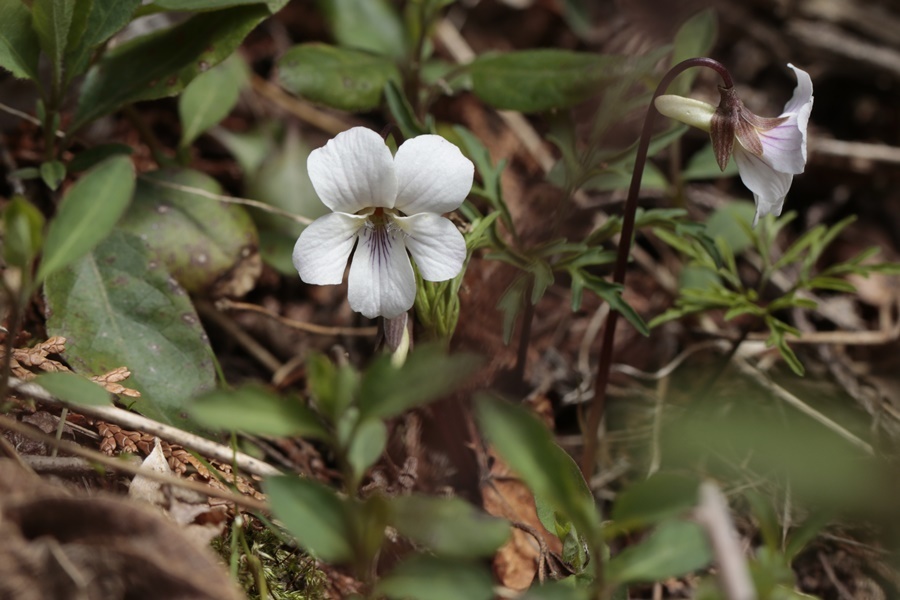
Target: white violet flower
(384,206)
(769,152)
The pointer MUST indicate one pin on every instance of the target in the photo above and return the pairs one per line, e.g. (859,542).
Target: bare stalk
(598,404)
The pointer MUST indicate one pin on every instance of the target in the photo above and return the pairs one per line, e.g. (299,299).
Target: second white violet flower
(769,152)
(384,206)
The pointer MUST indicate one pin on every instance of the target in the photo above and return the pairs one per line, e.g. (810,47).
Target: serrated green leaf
(103,19)
(52,20)
(544,79)
(163,63)
(210,97)
(370,25)
(528,447)
(88,213)
(19,44)
(431,578)
(74,389)
(427,374)
(448,526)
(674,549)
(209,246)
(114,308)
(256,410)
(314,514)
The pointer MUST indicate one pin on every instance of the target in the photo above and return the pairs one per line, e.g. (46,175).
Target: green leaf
(703,165)
(19,45)
(53,173)
(103,19)
(163,63)
(427,374)
(279,183)
(114,308)
(314,514)
(674,549)
(88,213)
(73,388)
(612,293)
(557,590)
(732,221)
(206,5)
(23,226)
(346,79)
(370,25)
(366,446)
(209,246)
(645,503)
(694,38)
(528,447)
(333,388)
(431,578)
(92,156)
(448,526)
(402,111)
(544,79)
(210,97)
(52,20)
(256,410)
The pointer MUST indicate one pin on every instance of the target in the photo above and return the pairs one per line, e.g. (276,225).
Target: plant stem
(598,404)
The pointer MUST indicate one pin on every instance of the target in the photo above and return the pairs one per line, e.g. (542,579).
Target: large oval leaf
(161,64)
(371,25)
(538,80)
(114,308)
(209,246)
(88,213)
(337,77)
(674,549)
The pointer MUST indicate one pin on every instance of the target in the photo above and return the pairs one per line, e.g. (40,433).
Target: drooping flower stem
(598,404)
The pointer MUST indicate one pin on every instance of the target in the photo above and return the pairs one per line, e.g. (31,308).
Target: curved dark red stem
(598,404)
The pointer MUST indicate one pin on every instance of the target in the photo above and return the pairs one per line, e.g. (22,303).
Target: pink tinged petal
(432,175)
(436,245)
(382,282)
(687,110)
(321,252)
(353,171)
(784,147)
(769,187)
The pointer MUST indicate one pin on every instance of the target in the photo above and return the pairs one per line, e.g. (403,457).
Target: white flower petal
(769,187)
(803,93)
(784,147)
(321,252)
(353,171)
(382,282)
(432,175)
(436,245)
(687,110)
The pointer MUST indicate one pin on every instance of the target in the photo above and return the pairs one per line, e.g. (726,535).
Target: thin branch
(226,304)
(229,199)
(134,421)
(120,465)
